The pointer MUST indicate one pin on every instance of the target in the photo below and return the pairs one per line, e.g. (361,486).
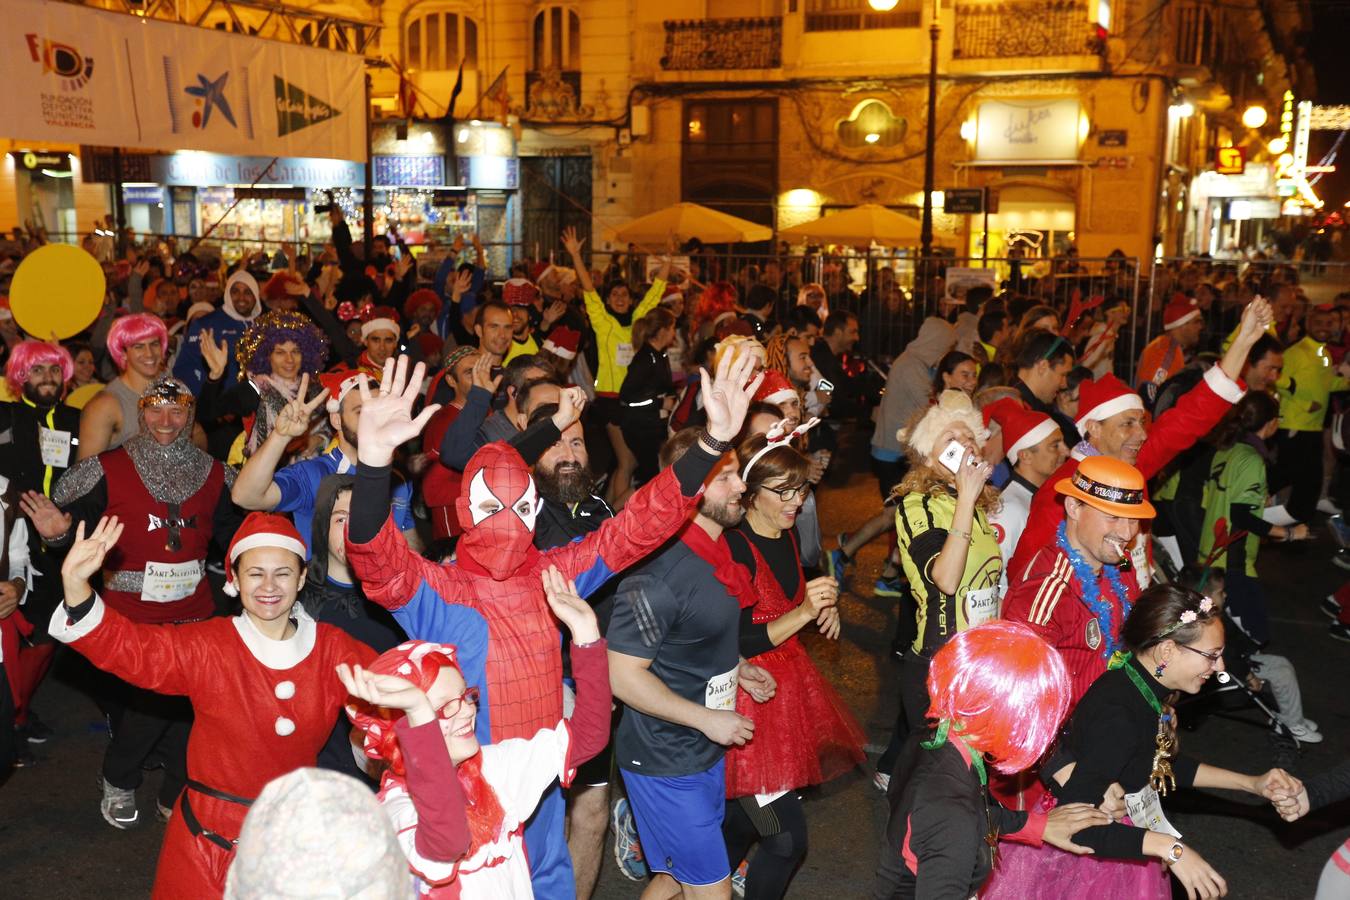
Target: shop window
(556,39)
(871,124)
(730,156)
(437,40)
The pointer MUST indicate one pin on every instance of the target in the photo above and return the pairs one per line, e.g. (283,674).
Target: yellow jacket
(1306,386)
(614,340)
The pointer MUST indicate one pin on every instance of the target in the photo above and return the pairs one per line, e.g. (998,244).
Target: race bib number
(1146,811)
(623,354)
(981,606)
(55,446)
(1139,562)
(721,691)
(167,582)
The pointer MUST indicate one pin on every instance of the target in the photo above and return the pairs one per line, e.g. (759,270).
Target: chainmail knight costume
(490,602)
(171,497)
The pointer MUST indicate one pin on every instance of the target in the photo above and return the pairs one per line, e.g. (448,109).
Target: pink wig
(133,329)
(1004,690)
(36,353)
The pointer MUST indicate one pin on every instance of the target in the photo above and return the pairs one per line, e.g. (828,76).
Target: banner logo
(210,95)
(67,62)
(297,109)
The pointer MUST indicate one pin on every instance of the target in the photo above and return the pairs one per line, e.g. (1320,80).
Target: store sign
(1230,160)
(142,193)
(489,172)
(1044,131)
(213,169)
(1117,138)
(1240,210)
(409,171)
(115,80)
(963,200)
(37,160)
(1256,180)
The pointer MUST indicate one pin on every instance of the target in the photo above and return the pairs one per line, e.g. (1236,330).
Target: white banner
(93,77)
(1042,131)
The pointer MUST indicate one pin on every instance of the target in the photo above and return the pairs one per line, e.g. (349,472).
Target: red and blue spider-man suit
(490,602)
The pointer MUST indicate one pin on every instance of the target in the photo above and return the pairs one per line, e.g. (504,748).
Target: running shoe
(881,781)
(35,731)
(836,563)
(1342,559)
(1303,734)
(1340,530)
(1340,632)
(1330,608)
(119,807)
(1328,506)
(738,878)
(890,587)
(162,812)
(627,847)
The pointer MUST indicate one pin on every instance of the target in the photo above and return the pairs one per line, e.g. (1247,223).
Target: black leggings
(780,852)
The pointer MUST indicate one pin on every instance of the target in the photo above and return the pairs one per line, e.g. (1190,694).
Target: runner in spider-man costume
(490,601)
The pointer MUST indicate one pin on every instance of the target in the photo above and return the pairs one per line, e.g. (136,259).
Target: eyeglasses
(787,494)
(1212,657)
(455,704)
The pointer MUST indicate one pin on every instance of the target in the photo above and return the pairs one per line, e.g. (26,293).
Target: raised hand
(46,517)
(86,556)
(216,356)
(293,420)
(1256,318)
(386,416)
(388,691)
(972,474)
(460,285)
(727,396)
(571,401)
(572,242)
(568,606)
(552,313)
(482,374)
(757,682)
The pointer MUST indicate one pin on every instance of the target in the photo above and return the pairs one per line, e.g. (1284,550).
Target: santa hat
(379,318)
(419,298)
(339,385)
(261,529)
(1103,398)
(283,285)
(430,344)
(1022,428)
(1181,310)
(519,292)
(672,292)
(563,342)
(775,388)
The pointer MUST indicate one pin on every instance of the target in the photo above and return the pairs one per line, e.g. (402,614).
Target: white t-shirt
(1009,521)
(519,771)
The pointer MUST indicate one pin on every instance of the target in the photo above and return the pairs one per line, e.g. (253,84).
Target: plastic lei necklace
(1092,595)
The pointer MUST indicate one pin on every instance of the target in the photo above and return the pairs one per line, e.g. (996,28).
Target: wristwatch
(1174,853)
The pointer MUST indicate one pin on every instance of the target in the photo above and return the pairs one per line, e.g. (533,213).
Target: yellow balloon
(82,395)
(57,292)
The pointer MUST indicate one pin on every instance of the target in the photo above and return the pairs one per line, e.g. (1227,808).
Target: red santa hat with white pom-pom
(261,529)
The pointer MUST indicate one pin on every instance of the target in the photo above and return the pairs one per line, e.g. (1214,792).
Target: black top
(648,379)
(344,606)
(20,443)
(674,612)
(781,555)
(1111,737)
(1329,787)
(939,808)
(1071,435)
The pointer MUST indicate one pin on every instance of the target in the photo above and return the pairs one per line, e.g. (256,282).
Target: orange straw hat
(1110,485)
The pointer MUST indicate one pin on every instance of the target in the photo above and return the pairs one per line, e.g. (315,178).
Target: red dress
(804,735)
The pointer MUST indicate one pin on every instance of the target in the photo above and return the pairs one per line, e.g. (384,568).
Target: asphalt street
(54,844)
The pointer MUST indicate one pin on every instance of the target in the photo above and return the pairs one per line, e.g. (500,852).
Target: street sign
(1113,138)
(1230,160)
(963,200)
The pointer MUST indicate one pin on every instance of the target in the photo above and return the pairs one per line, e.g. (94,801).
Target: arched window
(556,39)
(436,40)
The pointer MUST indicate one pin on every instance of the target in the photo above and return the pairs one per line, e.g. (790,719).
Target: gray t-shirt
(674,612)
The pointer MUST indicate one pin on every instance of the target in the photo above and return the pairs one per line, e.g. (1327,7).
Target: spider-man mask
(497,508)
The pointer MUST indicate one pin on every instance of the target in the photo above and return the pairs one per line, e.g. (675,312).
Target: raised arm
(255,487)
(573,245)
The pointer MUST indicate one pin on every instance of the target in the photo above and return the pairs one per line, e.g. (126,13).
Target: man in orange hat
(1076,593)
(1112,420)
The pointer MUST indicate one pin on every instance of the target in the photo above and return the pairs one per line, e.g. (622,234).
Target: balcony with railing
(709,44)
(1024,28)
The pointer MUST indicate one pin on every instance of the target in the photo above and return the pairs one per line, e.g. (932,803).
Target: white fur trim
(378,325)
(1221,384)
(284,690)
(279,655)
(1177,323)
(561,352)
(1108,409)
(66,631)
(1031,439)
(344,388)
(780,396)
(284,726)
(266,539)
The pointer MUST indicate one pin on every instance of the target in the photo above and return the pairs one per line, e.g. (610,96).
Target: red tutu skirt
(805,735)
(1023,872)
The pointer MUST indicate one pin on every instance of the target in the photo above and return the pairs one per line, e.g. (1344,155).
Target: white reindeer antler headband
(777,438)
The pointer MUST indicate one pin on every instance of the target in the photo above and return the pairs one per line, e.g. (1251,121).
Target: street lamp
(1254,116)
(930,146)
(882,5)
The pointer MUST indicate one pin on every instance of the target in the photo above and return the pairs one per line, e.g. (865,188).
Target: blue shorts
(679,820)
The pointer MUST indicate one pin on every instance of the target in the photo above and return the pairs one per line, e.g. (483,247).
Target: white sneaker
(1310,725)
(1304,734)
(882,781)
(119,807)
(1328,506)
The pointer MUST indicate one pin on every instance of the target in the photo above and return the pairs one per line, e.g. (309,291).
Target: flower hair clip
(1190,616)
(777,437)
(1187,617)
(1206,605)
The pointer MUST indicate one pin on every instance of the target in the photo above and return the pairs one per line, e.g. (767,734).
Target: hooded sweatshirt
(909,386)
(225,324)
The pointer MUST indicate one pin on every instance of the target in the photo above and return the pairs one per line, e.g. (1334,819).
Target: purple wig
(36,353)
(254,348)
(133,329)
(1003,689)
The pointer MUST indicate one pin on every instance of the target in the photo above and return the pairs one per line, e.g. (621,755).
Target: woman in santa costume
(261,685)
(459,808)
